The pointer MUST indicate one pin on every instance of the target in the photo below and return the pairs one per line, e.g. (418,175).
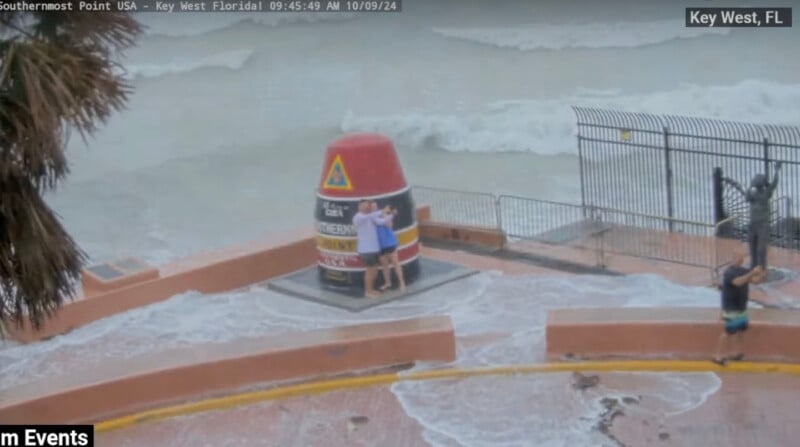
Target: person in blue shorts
(734,292)
(365,222)
(387,239)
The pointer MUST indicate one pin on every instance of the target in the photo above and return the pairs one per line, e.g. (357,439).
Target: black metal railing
(663,165)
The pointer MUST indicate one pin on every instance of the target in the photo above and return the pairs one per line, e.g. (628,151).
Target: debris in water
(663,436)
(629,400)
(355,422)
(359,420)
(613,409)
(582,382)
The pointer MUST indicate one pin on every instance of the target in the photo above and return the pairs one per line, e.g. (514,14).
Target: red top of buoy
(361,165)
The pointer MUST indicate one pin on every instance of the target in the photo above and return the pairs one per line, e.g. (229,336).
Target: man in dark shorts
(365,221)
(734,292)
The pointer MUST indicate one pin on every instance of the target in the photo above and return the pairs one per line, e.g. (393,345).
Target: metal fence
(476,209)
(663,165)
(597,229)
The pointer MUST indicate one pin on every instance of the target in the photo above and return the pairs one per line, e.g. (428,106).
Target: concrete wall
(682,333)
(180,375)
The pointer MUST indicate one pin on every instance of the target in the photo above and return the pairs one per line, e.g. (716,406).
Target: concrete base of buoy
(305,284)
(355,280)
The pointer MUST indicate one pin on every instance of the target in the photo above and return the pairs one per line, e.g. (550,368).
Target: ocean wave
(232,60)
(191,25)
(591,35)
(548,126)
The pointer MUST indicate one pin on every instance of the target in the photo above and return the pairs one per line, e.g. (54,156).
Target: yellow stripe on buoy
(349,244)
(325,386)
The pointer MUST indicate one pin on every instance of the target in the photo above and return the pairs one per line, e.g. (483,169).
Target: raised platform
(150,381)
(678,333)
(305,284)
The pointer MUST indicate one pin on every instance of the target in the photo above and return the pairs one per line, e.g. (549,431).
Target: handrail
(576,206)
(610,210)
(455,191)
(549,202)
(652,216)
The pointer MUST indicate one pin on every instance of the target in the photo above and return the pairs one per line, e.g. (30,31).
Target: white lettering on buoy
(336,229)
(333,209)
(335,260)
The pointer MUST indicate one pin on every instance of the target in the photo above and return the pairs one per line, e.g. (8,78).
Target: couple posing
(377,245)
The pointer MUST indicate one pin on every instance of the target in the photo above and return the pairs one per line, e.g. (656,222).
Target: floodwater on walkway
(526,410)
(499,320)
(486,304)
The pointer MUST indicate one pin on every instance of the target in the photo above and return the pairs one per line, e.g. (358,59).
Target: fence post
(766,157)
(717,193)
(668,167)
(714,256)
(497,212)
(580,167)
(600,239)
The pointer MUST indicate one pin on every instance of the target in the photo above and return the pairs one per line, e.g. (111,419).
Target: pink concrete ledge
(683,333)
(176,376)
(211,272)
(207,273)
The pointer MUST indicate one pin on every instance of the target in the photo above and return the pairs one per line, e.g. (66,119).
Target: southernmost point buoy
(356,167)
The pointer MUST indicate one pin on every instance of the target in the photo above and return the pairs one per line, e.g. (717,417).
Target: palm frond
(58,72)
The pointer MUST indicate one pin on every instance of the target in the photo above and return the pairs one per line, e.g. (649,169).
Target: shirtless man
(365,221)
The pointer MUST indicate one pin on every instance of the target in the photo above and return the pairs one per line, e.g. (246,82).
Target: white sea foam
(231,60)
(589,35)
(191,25)
(548,126)
(541,409)
(547,410)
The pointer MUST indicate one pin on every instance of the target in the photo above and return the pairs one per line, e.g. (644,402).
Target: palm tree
(57,73)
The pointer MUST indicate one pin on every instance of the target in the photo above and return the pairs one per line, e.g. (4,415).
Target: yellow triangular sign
(337,177)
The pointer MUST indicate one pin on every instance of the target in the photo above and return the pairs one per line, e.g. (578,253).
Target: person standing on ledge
(734,292)
(366,221)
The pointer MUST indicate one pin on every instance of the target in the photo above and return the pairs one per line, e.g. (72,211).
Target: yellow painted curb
(324,386)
